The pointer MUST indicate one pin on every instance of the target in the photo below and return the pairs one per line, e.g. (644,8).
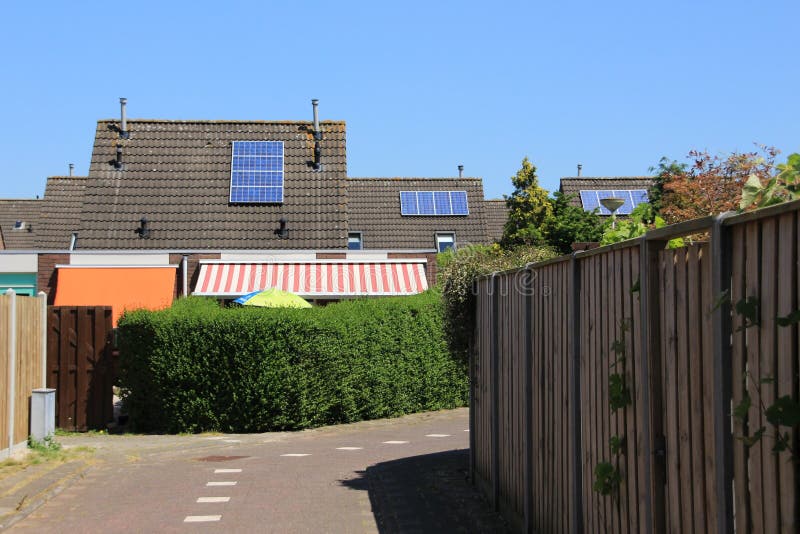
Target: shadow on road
(428,493)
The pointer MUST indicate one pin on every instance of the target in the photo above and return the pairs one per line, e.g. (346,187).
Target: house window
(354,241)
(445,241)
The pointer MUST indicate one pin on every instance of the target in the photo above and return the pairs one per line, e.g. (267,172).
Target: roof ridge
(63,176)
(398,178)
(607,177)
(218,121)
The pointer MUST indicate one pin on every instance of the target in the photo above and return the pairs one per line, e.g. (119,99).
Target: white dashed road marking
(232,440)
(201,518)
(213,499)
(395,442)
(296,454)
(349,448)
(437,435)
(227,470)
(215,437)
(225,483)
(467,430)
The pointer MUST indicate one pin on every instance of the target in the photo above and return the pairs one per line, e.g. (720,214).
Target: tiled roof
(61,211)
(374,209)
(573,186)
(27,211)
(177,175)
(496,215)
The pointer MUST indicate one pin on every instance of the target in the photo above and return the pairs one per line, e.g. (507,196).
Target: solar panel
(639,196)
(257,172)
(432,203)
(408,203)
(590,199)
(458,199)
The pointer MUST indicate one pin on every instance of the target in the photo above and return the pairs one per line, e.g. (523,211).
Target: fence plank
(786,347)
(767,357)
(738,384)
(752,237)
(707,372)
(681,356)
(694,316)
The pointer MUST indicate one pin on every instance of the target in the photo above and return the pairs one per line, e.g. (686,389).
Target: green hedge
(197,367)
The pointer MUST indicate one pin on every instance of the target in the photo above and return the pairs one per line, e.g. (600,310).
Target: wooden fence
(79,365)
(632,357)
(22,364)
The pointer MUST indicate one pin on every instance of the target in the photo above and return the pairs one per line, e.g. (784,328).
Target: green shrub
(197,367)
(458,271)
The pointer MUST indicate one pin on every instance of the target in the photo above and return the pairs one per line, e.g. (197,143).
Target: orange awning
(122,288)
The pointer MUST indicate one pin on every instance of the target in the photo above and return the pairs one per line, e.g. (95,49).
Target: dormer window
(21,225)
(257,172)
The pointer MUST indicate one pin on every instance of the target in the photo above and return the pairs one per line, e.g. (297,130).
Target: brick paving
(347,478)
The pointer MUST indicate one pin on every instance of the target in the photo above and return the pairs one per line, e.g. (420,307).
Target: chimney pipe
(317,136)
(71,169)
(317,132)
(460,171)
(123,129)
(579,169)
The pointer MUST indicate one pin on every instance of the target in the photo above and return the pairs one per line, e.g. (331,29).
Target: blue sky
(423,86)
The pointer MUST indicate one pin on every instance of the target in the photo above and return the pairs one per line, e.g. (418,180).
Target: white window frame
(440,235)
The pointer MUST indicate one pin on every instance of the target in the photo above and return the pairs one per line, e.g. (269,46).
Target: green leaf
(619,395)
(750,309)
(723,298)
(617,444)
(749,441)
(606,478)
(741,409)
(618,346)
(792,318)
(752,188)
(767,380)
(784,412)
(636,286)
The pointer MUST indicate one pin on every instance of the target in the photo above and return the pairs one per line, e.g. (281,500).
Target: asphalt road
(400,475)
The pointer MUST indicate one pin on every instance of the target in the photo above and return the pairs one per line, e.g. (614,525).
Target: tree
(569,224)
(713,184)
(663,170)
(529,207)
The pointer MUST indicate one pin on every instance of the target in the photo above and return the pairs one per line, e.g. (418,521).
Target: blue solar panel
(590,199)
(639,197)
(433,203)
(425,201)
(458,199)
(257,172)
(408,203)
(441,201)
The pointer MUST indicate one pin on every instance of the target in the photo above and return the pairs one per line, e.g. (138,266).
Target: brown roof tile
(496,215)
(25,210)
(61,211)
(374,210)
(177,175)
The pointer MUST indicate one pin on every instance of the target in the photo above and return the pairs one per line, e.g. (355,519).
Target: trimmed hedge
(197,367)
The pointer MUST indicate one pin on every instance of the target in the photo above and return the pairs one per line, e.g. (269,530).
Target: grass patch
(48,451)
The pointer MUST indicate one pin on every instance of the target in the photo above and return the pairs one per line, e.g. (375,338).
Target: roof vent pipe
(460,171)
(579,169)
(118,161)
(317,136)
(123,129)
(71,169)
(73,241)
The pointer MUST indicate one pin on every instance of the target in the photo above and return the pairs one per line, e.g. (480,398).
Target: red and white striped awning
(327,278)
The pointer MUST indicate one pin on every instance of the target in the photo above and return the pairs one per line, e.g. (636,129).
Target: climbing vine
(607,475)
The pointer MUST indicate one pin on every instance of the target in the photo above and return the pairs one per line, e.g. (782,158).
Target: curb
(29,505)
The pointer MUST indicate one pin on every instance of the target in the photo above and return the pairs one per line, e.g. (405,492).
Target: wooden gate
(79,365)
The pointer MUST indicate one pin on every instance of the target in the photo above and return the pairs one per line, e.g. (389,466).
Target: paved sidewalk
(419,485)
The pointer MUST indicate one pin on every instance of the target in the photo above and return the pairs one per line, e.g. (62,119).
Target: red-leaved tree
(712,184)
